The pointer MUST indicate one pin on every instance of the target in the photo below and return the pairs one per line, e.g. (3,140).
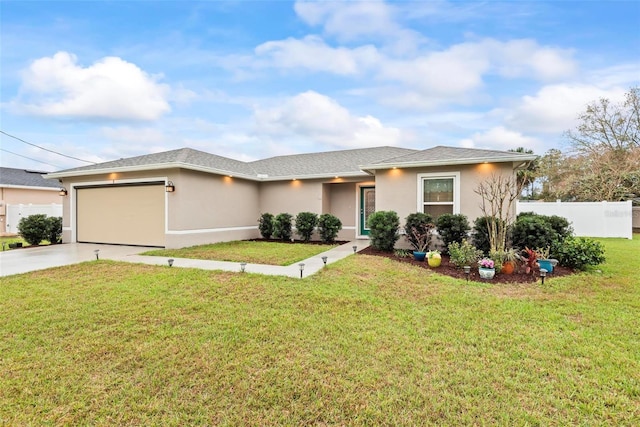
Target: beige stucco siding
(397,189)
(205,201)
(291,197)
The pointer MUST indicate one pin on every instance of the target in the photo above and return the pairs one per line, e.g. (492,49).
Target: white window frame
(439,175)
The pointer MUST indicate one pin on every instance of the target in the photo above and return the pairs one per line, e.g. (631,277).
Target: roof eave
(156,166)
(351,174)
(473,161)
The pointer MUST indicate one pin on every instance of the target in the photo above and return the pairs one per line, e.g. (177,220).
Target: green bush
(329,226)
(452,228)
(422,224)
(282,226)
(480,234)
(383,230)
(579,252)
(536,231)
(461,254)
(34,228)
(306,223)
(560,225)
(54,225)
(265,225)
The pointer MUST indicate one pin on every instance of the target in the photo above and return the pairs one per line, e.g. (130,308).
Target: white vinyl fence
(16,212)
(591,219)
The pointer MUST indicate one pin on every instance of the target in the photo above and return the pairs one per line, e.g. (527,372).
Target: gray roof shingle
(310,165)
(25,178)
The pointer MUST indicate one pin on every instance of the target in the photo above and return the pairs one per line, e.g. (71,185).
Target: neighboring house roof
(440,155)
(10,177)
(303,166)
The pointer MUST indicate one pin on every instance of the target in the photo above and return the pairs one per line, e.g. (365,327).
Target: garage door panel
(127,215)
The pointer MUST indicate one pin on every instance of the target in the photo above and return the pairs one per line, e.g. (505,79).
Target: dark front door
(367,207)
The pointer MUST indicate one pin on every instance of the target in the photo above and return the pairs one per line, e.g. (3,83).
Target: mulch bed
(449,269)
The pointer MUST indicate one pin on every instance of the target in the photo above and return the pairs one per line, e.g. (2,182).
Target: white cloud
(314,54)
(555,108)
(500,138)
(111,88)
(318,118)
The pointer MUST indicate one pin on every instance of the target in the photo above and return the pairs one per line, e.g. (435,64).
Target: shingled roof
(303,166)
(10,177)
(440,155)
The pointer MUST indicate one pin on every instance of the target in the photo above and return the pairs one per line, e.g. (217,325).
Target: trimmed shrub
(265,225)
(282,226)
(422,224)
(329,226)
(34,228)
(54,226)
(560,225)
(480,234)
(535,231)
(452,228)
(579,252)
(383,230)
(306,224)
(461,254)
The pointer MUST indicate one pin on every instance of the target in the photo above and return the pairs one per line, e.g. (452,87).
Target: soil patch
(449,269)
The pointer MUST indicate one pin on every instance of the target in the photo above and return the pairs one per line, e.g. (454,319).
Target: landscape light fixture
(467,271)
(63,191)
(170,262)
(355,248)
(301,265)
(543,274)
(243,267)
(97,252)
(324,259)
(170,188)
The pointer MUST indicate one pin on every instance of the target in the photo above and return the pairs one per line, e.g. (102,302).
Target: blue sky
(247,80)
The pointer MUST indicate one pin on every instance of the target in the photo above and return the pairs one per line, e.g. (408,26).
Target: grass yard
(272,253)
(367,341)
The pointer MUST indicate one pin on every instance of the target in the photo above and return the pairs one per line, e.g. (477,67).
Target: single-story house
(29,193)
(186,197)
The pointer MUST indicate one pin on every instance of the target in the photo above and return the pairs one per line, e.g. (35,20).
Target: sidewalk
(311,265)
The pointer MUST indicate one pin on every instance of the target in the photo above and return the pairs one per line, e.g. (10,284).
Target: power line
(39,161)
(45,149)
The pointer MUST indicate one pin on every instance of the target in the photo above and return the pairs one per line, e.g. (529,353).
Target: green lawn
(272,253)
(367,341)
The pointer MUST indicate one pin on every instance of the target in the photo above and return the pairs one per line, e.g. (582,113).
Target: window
(439,193)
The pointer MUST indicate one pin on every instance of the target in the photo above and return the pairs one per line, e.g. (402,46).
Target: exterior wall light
(63,191)
(170,188)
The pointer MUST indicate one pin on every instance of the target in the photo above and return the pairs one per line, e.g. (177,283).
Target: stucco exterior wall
(397,189)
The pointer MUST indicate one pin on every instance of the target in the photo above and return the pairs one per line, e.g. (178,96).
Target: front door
(367,207)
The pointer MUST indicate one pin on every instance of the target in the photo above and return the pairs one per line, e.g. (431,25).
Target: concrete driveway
(24,260)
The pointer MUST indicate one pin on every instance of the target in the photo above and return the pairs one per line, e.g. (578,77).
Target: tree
(605,127)
(605,160)
(527,175)
(499,194)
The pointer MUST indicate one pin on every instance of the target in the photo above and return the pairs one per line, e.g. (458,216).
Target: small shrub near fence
(36,228)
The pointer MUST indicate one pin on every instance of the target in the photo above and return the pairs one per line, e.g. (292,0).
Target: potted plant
(433,258)
(420,240)
(486,268)
(544,261)
(530,257)
(509,260)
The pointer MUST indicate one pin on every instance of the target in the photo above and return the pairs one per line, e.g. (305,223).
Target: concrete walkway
(19,261)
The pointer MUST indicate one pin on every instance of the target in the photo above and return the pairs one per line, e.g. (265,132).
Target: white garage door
(125,215)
